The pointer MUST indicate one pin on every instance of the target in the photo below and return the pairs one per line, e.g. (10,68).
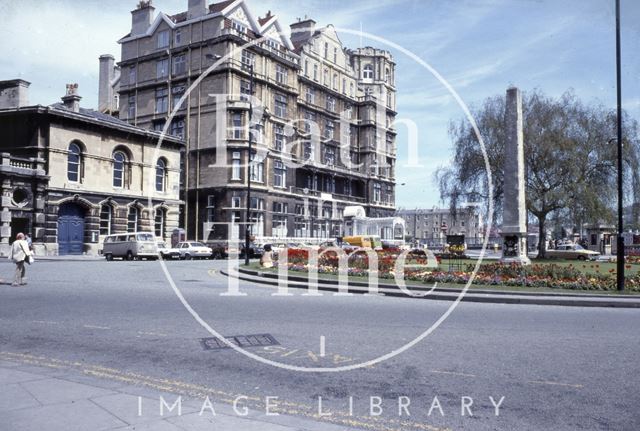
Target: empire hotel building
(322,138)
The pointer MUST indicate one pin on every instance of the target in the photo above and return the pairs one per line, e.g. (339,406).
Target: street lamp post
(247,217)
(620,238)
(415,227)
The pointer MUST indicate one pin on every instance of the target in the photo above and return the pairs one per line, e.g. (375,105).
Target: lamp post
(247,217)
(211,57)
(620,238)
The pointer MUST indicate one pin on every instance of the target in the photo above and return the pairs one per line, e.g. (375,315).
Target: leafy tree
(570,160)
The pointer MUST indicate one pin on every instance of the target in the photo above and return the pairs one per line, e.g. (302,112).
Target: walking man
(19,254)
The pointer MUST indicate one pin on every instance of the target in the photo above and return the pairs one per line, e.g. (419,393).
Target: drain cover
(254,340)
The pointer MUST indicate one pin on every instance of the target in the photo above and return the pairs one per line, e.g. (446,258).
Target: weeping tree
(570,160)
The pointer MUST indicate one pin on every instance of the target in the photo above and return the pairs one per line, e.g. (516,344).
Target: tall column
(514,218)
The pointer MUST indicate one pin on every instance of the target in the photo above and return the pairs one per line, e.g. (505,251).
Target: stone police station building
(72,175)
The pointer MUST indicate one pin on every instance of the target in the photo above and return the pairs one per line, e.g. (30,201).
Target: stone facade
(303,176)
(426,226)
(59,165)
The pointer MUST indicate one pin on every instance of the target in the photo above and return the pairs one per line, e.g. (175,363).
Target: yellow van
(358,241)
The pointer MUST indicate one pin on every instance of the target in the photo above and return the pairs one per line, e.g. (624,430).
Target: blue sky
(480,47)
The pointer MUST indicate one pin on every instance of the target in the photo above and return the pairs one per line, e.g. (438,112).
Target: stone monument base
(514,249)
(520,260)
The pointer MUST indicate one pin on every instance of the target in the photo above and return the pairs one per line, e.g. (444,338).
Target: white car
(167,252)
(194,250)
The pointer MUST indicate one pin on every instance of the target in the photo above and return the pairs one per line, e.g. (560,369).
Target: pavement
(62,396)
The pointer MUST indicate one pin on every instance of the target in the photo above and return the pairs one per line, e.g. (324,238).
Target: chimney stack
(72,100)
(105,78)
(141,18)
(197,8)
(303,29)
(14,93)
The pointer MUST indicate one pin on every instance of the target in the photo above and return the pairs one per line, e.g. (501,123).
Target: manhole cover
(255,340)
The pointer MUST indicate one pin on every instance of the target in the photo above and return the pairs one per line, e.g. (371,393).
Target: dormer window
(273,44)
(238,27)
(163,39)
(367,72)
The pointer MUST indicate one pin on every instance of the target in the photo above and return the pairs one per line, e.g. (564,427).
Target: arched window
(161,175)
(367,73)
(74,162)
(160,222)
(119,169)
(106,214)
(132,219)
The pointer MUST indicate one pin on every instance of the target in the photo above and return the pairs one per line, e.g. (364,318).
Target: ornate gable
(239,12)
(273,30)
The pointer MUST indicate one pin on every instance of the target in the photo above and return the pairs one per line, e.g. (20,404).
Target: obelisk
(514,218)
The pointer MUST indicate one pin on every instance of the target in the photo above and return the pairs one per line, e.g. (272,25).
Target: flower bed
(633,258)
(494,274)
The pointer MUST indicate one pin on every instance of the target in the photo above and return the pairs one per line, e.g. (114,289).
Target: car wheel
(187,257)
(582,258)
(216,256)
(109,257)
(129,256)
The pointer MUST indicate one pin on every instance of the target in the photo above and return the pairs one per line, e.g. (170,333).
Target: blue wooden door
(70,229)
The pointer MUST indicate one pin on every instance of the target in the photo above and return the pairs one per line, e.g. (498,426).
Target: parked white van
(129,246)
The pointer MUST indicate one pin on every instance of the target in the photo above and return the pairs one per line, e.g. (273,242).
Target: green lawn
(590,267)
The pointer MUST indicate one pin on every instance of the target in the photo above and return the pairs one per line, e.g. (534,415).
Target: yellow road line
(95,327)
(46,322)
(155,334)
(544,382)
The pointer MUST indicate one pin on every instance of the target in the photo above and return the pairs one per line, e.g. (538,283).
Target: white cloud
(54,35)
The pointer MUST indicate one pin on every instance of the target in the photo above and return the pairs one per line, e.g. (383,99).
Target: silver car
(167,252)
(194,250)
